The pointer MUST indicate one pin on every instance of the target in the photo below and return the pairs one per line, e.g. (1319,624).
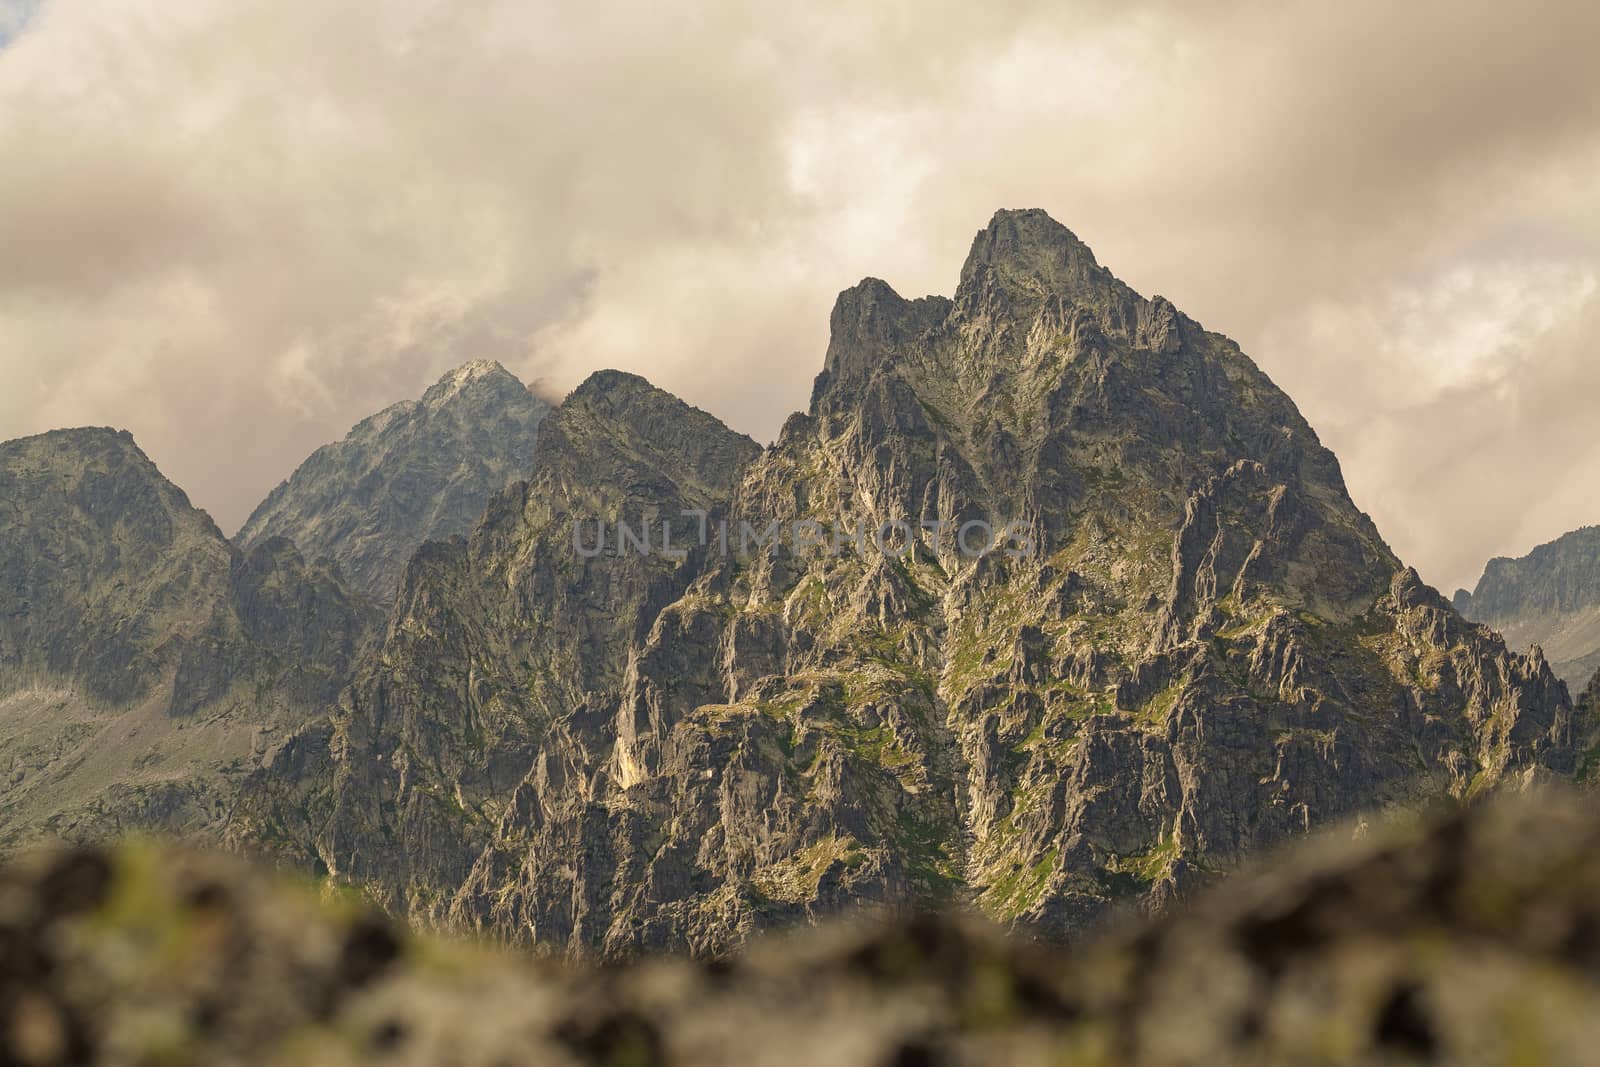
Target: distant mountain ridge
(143,658)
(147,663)
(1211,650)
(419,470)
(1550,598)
(1207,649)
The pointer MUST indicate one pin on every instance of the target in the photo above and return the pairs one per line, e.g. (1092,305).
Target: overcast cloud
(236,229)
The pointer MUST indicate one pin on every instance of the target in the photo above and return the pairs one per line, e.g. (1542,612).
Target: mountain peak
(624,407)
(1031,247)
(453,383)
(82,437)
(1550,597)
(418,470)
(870,321)
(118,533)
(1029,226)
(608,382)
(1022,265)
(473,369)
(81,451)
(1133,679)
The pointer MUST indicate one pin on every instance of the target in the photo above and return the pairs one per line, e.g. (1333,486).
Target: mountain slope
(494,642)
(144,660)
(105,563)
(1550,598)
(1193,646)
(417,471)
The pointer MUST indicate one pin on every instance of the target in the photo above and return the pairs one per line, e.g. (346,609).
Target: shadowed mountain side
(145,663)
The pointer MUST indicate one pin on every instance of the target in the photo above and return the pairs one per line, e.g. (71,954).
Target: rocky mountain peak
(102,561)
(1207,648)
(85,437)
(617,413)
(1033,317)
(143,658)
(1028,274)
(869,325)
(419,470)
(480,375)
(1021,262)
(94,454)
(1561,576)
(615,390)
(1030,247)
(1550,597)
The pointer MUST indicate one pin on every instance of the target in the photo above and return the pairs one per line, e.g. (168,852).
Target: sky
(14,17)
(236,229)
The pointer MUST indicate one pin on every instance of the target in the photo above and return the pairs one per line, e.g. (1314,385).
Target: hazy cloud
(14,18)
(236,229)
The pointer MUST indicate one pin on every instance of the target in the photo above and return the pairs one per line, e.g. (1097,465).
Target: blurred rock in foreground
(1463,938)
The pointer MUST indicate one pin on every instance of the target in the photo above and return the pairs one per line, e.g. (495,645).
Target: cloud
(14,18)
(237,230)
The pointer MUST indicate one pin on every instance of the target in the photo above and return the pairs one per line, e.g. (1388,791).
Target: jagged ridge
(1211,649)
(417,471)
(1550,598)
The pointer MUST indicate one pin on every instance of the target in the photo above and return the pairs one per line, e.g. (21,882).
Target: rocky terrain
(145,663)
(1550,598)
(489,638)
(1461,937)
(417,471)
(1198,648)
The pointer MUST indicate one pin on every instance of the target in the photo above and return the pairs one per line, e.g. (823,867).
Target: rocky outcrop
(1184,645)
(1549,598)
(417,471)
(1466,937)
(144,661)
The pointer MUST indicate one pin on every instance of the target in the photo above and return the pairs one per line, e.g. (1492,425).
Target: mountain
(1464,938)
(417,471)
(144,661)
(494,642)
(1550,598)
(1191,645)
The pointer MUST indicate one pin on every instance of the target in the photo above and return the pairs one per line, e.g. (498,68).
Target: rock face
(1550,598)
(497,645)
(142,658)
(417,471)
(1464,938)
(1189,646)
